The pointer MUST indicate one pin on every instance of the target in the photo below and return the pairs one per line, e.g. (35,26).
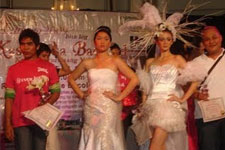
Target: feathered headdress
(152,24)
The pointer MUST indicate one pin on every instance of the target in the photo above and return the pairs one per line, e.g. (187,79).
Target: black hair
(115,46)
(29,33)
(105,29)
(43,48)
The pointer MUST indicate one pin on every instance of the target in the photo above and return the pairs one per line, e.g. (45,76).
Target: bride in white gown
(102,129)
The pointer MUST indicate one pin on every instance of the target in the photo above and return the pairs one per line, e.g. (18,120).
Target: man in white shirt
(211,135)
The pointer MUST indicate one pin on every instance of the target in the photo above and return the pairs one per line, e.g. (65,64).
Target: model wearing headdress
(162,113)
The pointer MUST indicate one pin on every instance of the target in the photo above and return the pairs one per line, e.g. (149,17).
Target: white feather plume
(144,78)
(151,25)
(174,19)
(151,18)
(150,14)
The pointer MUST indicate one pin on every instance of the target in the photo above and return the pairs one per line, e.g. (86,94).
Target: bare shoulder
(181,62)
(87,62)
(117,60)
(179,58)
(149,61)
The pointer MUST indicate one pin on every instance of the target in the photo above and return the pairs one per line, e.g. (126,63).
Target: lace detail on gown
(102,129)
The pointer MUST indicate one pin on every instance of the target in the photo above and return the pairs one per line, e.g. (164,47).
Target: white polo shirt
(215,81)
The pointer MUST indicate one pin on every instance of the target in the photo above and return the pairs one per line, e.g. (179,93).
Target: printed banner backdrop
(72,31)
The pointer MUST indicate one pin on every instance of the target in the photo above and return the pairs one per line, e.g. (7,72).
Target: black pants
(126,123)
(30,137)
(211,135)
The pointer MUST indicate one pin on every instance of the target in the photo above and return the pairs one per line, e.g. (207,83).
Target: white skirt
(166,114)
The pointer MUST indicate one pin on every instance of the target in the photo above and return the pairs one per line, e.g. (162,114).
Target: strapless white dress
(102,129)
(158,112)
(166,114)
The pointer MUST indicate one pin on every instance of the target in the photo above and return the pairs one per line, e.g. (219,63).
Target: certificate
(213,109)
(46,116)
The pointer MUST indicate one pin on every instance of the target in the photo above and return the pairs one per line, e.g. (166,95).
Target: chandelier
(65,5)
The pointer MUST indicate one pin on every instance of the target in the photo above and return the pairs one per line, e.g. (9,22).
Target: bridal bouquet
(37,84)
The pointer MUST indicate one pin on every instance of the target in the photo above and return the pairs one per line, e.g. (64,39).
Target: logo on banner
(80,49)
(8,53)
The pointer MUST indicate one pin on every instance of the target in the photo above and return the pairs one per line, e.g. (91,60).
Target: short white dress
(157,111)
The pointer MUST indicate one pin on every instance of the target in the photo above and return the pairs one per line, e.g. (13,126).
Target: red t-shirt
(18,78)
(131,99)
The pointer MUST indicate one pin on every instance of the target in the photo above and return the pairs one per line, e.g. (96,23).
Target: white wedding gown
(102,129)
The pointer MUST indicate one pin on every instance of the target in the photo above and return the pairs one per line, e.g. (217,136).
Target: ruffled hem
(157,113)
(167,115)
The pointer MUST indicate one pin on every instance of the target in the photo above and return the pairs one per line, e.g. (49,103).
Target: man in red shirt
(19,98)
